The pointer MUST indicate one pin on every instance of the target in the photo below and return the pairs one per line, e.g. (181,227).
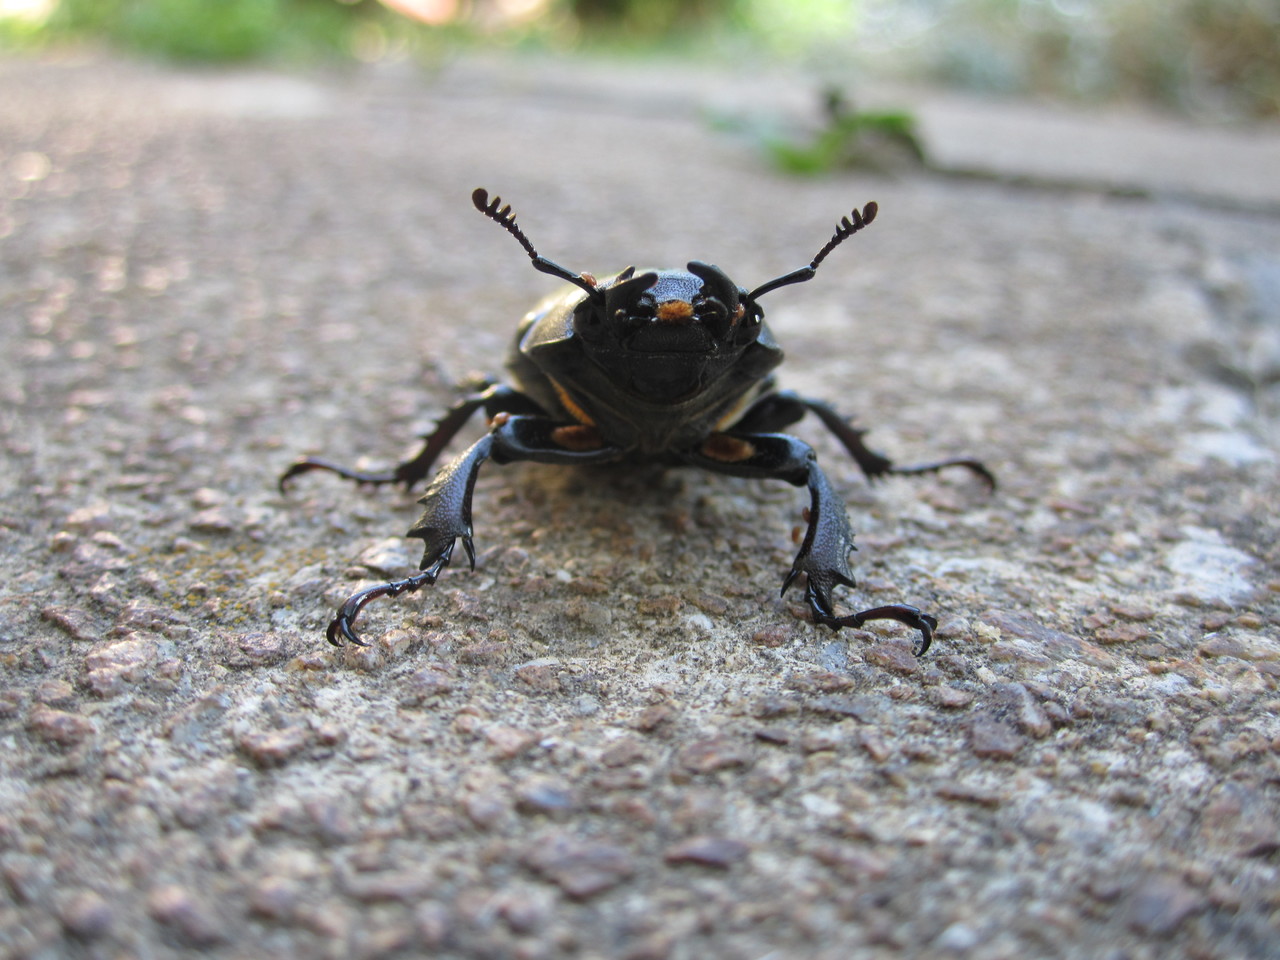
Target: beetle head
(666,333)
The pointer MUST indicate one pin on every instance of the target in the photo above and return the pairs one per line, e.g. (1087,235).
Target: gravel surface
(614,739)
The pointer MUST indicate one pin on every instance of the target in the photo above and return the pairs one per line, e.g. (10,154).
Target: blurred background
(1215,60)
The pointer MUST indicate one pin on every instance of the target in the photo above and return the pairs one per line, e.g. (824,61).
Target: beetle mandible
(666,366)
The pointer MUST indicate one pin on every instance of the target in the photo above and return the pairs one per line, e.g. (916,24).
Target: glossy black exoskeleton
(666,366)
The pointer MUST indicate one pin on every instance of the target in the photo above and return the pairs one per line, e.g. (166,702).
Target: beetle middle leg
(824,554)
(495,399)
(446,514)
(781,409)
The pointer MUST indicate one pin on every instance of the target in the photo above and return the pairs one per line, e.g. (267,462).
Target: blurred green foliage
(882,140)
(203,30)
(1215,58)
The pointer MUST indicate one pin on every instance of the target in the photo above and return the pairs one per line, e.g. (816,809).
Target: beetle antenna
(505,217)
(847,227)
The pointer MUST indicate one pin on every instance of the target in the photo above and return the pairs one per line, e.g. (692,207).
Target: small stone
(385,793)
(772,636)
(1161,904)
(654,716)
(1025,711)
(957,938)
(275,898)
(1136,612)
(59,727)
(1054,643)
(260,649)
(967,793)
(820,741)
(87,916)
(433,680)
(852,863)
(863,708)
(995,739)
(778,735)
(624,752)
(581,869)
(510,742)
(873,742)
(393,558)
(112,668)
(892,657)
(94,516)
(55,692)
(712,754)
(1224,646)
(76,623)
(207,497)
(176,908)
(274,748)
(432,922)
(707,851)
(948,698)
(709,603)
(1122,633)
(403,886)
(543,795)
(485,808)
(213,520)
(540,675)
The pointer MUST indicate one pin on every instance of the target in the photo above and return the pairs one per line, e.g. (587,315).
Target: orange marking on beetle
(499,419)
(571,405)
(579,437)
(675,311)
(727,449)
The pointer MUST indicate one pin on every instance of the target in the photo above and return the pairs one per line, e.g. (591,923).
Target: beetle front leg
(495,399)
(446,514)
(781,409)
(824,554)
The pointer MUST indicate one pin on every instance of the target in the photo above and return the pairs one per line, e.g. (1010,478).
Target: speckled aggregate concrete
(614,739)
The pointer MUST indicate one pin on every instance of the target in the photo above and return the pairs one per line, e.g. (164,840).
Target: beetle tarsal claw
(902,612)
(341,624)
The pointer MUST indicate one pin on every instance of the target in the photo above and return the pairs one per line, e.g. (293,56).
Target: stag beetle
(666,366)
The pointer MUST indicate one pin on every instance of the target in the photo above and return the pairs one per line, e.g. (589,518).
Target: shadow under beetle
(665,366)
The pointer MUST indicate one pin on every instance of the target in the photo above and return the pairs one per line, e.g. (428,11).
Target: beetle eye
(708,308)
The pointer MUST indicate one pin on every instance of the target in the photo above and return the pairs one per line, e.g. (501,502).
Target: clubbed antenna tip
(847,227)
(505,217)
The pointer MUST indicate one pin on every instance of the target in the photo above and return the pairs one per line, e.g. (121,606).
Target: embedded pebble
(712,754)
(274,748)
(59,727)
(994,739)
(949,698)
(1161,904)
(87,915)
(545,796)
(707,851)
(509,742)
(112,668)
(894,657)
(582,869)
(275,898)
(194,922)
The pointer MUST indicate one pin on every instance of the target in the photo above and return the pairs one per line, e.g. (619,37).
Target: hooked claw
(340,627)
(902,612)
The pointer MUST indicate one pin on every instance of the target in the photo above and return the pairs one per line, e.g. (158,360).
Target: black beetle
(665,366)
